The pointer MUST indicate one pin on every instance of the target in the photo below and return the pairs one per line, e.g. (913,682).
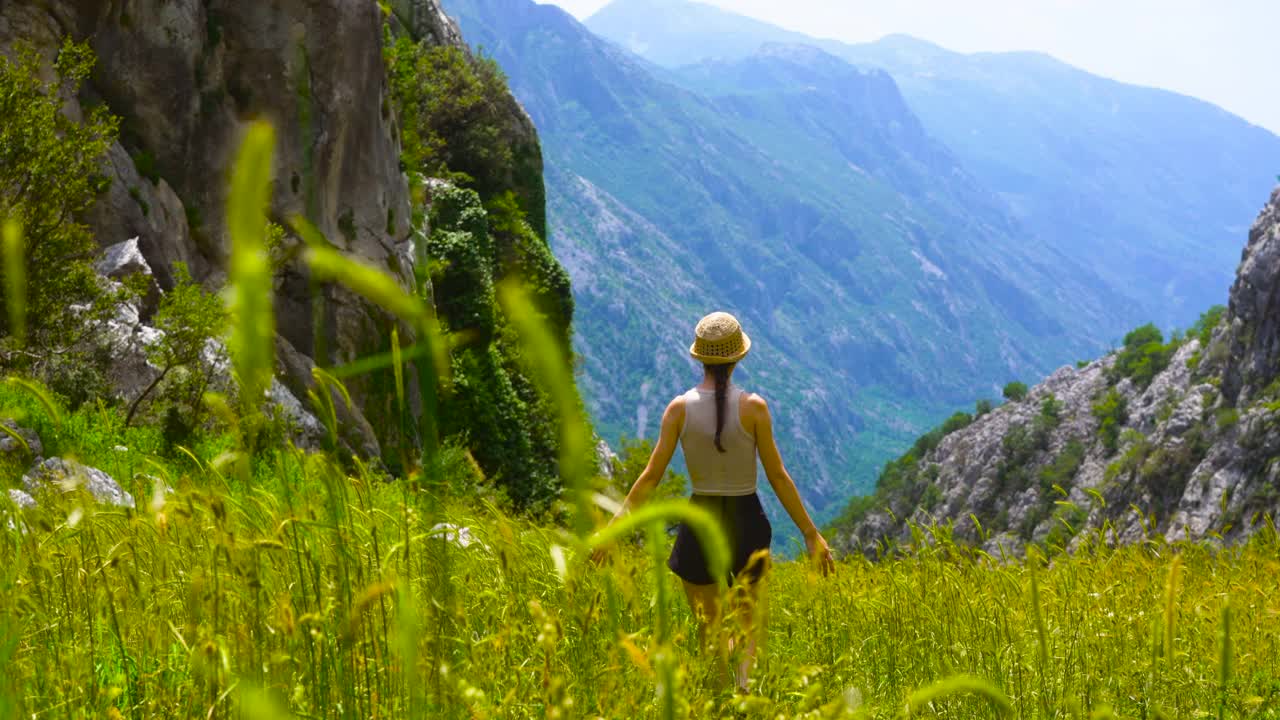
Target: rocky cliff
(187,76)
(1178,438)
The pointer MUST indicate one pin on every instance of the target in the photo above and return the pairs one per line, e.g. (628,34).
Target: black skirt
(746,527)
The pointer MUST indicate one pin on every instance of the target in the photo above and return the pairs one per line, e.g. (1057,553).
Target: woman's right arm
(663,450)
(659,459)
(784,487)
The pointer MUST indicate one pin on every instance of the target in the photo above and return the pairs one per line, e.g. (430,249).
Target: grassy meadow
(255,580)
(315,592)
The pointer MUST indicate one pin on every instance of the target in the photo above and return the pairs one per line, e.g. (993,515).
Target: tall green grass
(322,590)
(273,583)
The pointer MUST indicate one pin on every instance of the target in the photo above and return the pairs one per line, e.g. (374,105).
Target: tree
(49,174)
(1145,355)
(451,114)
(1015,391)
(189,317)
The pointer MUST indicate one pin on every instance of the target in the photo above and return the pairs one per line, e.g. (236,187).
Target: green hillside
(1147,189)
(883,284)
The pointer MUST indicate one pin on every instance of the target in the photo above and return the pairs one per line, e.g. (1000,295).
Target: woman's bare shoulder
(676,406)
(754,408)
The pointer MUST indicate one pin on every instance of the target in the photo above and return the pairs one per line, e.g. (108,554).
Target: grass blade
(15,279)
(250,280)
(956,685)
(702,523)
(556,375)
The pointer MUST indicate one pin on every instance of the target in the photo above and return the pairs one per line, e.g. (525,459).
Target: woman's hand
(819,552)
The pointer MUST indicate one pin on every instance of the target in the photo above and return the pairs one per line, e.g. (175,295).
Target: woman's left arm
(784,487)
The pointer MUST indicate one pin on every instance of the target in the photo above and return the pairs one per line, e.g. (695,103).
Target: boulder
(22,499)
(65,475)
(122,260)
(307,431)
(29,443)
(125,259)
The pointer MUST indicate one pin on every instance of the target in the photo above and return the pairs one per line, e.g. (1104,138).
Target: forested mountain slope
(1147,189)
(883,284)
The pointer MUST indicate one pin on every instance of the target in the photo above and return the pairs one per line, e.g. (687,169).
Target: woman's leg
(704,601)
(749,612)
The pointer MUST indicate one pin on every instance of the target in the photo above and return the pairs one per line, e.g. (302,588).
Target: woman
(722,430)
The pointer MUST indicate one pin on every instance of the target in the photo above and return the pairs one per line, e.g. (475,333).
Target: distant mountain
(882,283)
(673,33)
(1148,189)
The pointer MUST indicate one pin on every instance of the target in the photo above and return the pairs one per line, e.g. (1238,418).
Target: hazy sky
(1223,51)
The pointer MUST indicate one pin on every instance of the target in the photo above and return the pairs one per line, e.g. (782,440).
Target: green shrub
(1111,412)
(49,175)
(1051,410)
(932,497)
(1144,355)
(461,283)
(1062,470)
(1166,470)
(189,317)
(982,407)
(1208,322)
(512,431)
(1015,391)
(958,421)
(1067,521)
(452,110)
(482,406)
(1227,418)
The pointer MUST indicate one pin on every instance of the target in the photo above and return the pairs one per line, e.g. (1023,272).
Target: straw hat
(719,340)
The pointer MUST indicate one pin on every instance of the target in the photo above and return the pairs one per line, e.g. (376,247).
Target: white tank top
(732,472)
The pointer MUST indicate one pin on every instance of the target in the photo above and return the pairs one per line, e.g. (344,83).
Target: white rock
(122,259)
(22,499)
(66,475)
(458,535)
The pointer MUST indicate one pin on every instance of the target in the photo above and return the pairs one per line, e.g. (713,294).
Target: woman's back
(732,472)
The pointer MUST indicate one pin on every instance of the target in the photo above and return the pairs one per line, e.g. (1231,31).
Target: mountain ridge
(1151,185)
(1177,438)
(853,221)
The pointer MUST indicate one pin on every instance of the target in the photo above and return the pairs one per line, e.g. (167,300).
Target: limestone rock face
(187,77)
(606,459)
(1254,311)
(1198,448)
(121,260)
(193,75)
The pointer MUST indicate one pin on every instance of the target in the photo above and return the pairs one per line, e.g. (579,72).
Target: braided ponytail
(721,375)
